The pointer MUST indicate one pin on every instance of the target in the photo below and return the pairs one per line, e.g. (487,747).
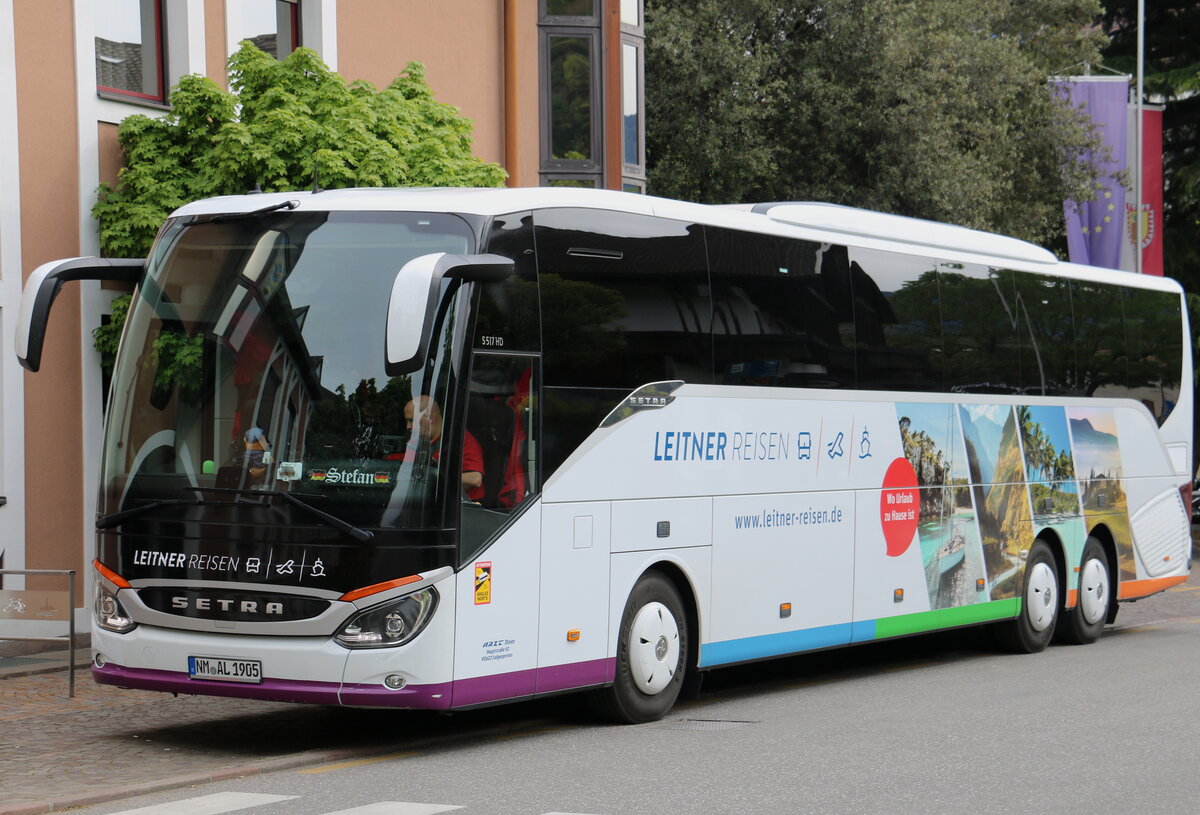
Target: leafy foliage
(178,359)
(283,126)
(106,337)
(931,108)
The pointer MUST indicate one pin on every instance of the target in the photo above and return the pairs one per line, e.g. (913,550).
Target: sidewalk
(108,743)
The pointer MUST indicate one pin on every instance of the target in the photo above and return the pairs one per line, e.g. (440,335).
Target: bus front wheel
(1084,623)
(1033,627)
(651,654)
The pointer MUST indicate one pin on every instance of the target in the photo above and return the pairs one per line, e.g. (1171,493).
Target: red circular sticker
(899,506)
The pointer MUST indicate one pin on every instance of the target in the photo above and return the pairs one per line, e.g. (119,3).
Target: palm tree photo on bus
(1049,466)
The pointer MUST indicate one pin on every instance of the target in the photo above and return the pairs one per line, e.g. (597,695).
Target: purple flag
(1094,227)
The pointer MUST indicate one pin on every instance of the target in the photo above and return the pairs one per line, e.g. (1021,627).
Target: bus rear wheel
(651,654)
(1033,627)
(1084,623)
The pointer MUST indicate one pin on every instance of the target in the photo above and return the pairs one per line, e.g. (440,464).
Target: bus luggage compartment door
(573,629)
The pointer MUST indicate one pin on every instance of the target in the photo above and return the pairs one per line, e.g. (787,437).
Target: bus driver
(423,413)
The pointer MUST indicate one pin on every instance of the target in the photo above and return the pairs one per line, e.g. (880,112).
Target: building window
(631,108)
(631,13)
(593,110)
(570,80)
(572,145)
(633,96)
(272,26)
(129,49)
(568,11)
(589,181)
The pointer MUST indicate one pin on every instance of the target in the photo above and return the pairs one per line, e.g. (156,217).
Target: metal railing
(15,599)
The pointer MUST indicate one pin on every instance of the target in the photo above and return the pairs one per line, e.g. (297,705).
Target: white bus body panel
(574,591)
(426,663)
(496,639)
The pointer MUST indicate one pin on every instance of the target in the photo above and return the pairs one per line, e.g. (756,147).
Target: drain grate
(706,724)
(21,662)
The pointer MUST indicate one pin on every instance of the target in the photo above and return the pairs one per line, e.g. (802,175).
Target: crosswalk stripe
(395,808)
(215,804)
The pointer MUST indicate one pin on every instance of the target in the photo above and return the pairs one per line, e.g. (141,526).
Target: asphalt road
(935,724)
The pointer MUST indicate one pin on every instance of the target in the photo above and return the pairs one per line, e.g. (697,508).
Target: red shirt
(472,463)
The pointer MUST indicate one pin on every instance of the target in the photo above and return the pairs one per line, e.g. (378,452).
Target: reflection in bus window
(783,311)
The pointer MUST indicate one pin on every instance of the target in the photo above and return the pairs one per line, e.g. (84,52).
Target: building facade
(554,88)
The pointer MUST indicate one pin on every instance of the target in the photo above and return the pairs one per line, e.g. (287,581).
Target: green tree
(1172,78)
(931,108)
(282,126)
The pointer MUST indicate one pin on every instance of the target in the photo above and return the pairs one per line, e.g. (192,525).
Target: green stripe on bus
(946,618)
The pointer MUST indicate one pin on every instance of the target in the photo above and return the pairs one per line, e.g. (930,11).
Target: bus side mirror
(414,300)
(44,285)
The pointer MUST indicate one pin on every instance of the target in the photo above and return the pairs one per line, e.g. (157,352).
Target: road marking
(395,808)
(1184,588)
(343,765)
(214,804)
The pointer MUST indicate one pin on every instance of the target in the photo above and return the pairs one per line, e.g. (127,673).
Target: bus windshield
(253,361)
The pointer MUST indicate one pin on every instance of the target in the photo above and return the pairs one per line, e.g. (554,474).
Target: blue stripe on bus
(773,645)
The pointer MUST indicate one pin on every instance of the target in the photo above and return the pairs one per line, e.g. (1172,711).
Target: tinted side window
(1154,330)
(783,311)
(978,325)
(624,299)
(1099,340)
(508,310)
(897,320)
(1046,334)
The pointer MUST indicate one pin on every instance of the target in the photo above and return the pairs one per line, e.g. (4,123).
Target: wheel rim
(1041,597)
(653,648)
(1093,591)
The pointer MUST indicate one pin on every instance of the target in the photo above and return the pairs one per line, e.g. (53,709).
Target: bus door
(499,530)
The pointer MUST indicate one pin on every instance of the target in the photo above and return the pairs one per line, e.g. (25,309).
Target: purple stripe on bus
(529,682)
(423,697)
(462,693)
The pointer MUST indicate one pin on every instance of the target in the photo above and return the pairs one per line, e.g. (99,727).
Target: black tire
(1084,623)
(651,654)
(1033,627)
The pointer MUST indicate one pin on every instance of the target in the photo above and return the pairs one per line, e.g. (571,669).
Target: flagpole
(1137,201)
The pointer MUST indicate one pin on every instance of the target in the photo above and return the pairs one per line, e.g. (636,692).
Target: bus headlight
(110,614)
(393,623)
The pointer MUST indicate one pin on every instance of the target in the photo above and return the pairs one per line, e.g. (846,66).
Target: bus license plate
(225,670)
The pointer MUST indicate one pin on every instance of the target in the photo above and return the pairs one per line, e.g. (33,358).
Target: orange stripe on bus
(112,576)
(1072,597)
(1144,588)
(366,591)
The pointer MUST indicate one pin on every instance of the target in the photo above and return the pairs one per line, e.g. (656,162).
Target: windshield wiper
(118,518)
(358,533)
(239,216)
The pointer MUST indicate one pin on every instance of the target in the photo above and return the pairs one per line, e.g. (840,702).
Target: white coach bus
(448,448)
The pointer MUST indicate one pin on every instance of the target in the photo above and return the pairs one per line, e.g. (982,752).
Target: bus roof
(825,223)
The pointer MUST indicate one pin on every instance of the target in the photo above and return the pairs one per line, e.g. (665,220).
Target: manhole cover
(705,724)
